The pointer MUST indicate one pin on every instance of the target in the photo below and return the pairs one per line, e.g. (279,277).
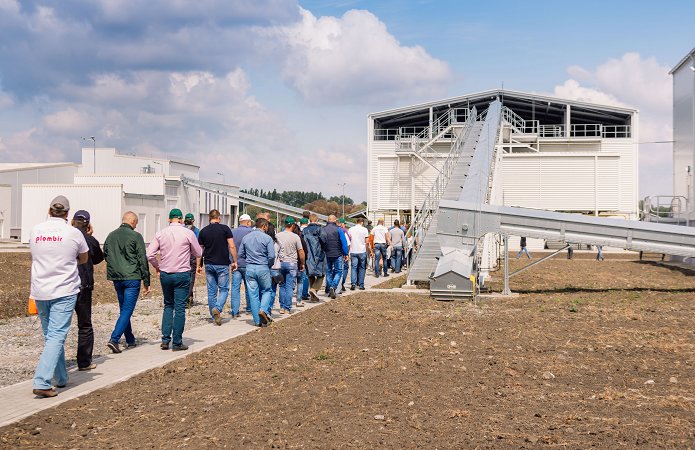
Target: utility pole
(343,197)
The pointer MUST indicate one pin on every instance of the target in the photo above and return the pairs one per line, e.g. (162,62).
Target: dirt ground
(589,355)
(15,270)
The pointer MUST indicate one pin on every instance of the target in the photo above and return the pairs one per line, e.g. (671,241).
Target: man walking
(291,262)
(56,251)
(358,254)
(315,257)
(189,222)
(302,278)
(259,252)
(174,244)
(382,241)
(522,244)
(346,263)
(126,267)
(83,307)
(239,275)
(397,238)
(335,246)
(218,244)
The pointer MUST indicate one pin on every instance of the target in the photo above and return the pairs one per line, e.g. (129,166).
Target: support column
(506,290)
(568,121)
(431,122)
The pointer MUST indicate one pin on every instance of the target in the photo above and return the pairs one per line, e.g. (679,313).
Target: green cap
(341,220)
(289,220)
(189,216)
(303,220)
(175,214)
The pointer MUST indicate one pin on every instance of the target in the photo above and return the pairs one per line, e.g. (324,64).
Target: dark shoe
(179,348)
(114,347)
(342,288)
(386,274)
(361,288)
(132,345)
(305,298)
(265,320)
(89,367)
(216,316)
(376,276)
(331,293)
(44,393)
(164,346)
(352,288)
(313,297)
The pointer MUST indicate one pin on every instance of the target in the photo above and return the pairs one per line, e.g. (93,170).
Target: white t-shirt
(358,234)
(379,233)
(55,246)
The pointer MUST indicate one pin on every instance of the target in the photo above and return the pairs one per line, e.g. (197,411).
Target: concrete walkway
(18,401)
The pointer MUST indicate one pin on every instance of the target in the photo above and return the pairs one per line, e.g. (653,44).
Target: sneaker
(386,274)
(314,297)
(361,288)
(132,345)
(305,298)
(342,288)
(236,316)
(300,304)
(265,320)
(352,288)
(331,293)
(164,346)
(285,311)
(114,347)
(44,393)
(89,367)
(178,348)
(216,316)
(376,276)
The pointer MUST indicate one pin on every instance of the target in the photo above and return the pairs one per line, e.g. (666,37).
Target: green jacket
(124,251)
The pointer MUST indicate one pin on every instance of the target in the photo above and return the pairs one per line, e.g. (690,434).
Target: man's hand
(90,230)
(146,291)
(235,266)
(346,257)
(199,270)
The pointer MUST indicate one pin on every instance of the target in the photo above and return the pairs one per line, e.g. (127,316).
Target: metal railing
(423,218)
(385,134)
(665,208)
(616,131)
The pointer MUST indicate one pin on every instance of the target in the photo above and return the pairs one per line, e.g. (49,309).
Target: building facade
(684,132)
(557,154)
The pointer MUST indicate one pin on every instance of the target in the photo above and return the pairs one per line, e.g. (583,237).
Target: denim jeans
(217,278)
(127,292)
(335,271)
(239,276)
(358,261)
(273,289)
(346,269)
(259,284)
(175,290)
(303,287)
(379,251)
(522,251)
(396,259)
(289,270)
(56,317)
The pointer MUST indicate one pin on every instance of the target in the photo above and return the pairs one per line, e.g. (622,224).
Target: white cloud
(641,83)
(353,59)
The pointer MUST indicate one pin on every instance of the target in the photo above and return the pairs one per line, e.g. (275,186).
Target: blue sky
(275,93)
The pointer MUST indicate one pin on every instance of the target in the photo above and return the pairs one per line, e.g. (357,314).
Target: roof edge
(682,61)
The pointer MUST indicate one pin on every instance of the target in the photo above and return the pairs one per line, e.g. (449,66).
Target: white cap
(244,217)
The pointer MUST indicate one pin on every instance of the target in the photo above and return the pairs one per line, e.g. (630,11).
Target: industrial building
(556,154)
(107,184)
(683,75)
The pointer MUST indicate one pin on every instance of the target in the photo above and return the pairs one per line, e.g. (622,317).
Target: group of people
(302,255)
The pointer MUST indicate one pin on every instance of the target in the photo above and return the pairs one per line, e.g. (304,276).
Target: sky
(276,93)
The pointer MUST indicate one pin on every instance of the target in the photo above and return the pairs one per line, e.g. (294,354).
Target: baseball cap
(175,214)
(341,220)
(289,220)
(82,214)
(244,217)
(303,220)
(60,203)
(189,216)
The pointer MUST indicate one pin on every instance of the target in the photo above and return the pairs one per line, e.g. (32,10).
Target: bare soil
(589,355)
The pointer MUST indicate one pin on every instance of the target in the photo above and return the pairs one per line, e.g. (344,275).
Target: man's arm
(143,267)
(271,252)
(82,258)
(232,248)
(302,258)
(152,251)
(97,254)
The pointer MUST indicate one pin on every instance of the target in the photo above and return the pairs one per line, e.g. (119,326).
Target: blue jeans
(304,285)
(335,271)
(175,290)
(128,292)
(289,270)
(217,278)
(259,284)
(239,276)
(379,251)
(56,317)
(396,259)
(273,289)
(523,250)
(346,268)
(358,261)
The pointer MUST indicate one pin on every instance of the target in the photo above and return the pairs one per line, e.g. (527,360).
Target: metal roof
(682,61)
(494,93)
(11,167)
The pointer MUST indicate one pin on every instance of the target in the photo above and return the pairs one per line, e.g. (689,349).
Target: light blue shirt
(257,248)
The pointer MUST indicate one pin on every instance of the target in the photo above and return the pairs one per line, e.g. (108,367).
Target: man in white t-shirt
(56,250)
(358,254)
(382,240)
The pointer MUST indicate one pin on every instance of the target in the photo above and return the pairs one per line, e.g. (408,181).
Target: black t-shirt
(213,239)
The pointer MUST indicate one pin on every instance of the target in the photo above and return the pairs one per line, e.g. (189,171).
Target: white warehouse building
(683,75)
(107,184)
(558,155)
